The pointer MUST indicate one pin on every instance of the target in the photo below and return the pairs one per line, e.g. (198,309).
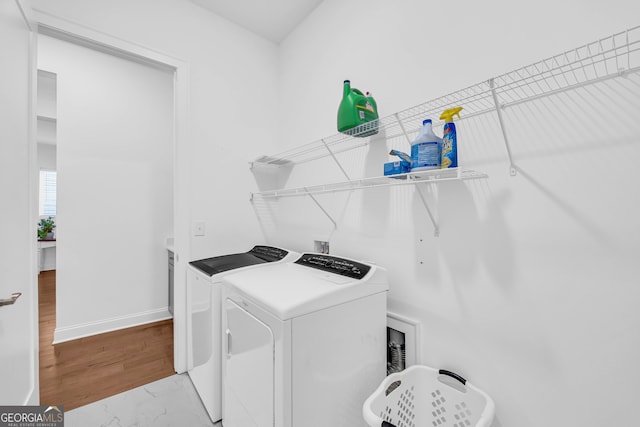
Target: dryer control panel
(335,265)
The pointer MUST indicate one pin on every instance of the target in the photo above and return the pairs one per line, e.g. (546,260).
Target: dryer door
(248,382)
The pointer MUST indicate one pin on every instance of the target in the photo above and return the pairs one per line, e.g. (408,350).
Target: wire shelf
(412,178)
(610,57)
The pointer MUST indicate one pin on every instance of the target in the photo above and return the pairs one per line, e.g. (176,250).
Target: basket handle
(453,375)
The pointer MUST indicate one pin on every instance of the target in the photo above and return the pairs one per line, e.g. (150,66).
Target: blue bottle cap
(347,81)
(424,122)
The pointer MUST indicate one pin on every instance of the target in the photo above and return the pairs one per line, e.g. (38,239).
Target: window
(48,193)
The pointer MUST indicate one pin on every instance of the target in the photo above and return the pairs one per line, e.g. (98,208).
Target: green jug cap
(347,81)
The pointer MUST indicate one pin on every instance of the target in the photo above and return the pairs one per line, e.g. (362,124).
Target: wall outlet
(321,246)
(198,228)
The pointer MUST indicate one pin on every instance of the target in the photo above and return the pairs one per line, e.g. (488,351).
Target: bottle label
(449,149)
(425,154)
(369,107)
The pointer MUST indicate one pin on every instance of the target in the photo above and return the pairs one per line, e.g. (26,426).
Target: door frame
(50,25)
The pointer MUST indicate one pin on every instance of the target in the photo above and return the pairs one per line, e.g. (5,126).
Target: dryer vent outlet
(396,351)
(403,342)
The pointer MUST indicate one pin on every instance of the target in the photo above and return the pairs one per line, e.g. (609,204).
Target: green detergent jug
(358,113)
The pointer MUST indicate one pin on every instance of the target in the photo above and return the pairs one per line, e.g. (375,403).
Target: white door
(248,370)
(18,321)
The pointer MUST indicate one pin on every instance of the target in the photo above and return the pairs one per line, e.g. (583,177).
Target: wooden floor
(82,371)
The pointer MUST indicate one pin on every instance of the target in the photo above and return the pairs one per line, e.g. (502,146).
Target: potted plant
(45,228)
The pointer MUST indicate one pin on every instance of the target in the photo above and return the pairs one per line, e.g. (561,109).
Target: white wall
(46,104)
(47,156)
(115,188)
(530,290)
(46,110)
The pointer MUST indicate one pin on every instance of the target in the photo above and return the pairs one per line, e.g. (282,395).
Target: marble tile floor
(171,401)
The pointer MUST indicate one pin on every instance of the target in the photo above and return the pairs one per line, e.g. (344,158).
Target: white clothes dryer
(304,344)
(204,318)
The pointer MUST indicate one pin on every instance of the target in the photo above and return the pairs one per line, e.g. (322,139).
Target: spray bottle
(449,141)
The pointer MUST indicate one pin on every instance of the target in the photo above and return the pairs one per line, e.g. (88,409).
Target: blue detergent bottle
(449,140)
(425,149)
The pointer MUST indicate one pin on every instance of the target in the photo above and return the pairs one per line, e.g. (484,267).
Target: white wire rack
(412,178)
(600,60)
(611,57)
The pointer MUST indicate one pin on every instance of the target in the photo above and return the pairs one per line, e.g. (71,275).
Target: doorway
(113,148)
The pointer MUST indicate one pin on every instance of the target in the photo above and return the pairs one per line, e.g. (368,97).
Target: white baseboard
(69,333)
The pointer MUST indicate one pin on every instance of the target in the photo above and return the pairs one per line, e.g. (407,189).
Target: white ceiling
(271,19)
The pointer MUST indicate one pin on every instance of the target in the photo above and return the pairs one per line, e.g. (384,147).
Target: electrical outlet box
(320,246)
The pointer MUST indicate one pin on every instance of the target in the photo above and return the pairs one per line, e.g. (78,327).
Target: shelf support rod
(512,167)
(404,131)
(335,225)
(436,229)
(335,160)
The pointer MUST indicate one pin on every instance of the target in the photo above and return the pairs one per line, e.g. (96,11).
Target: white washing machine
(204,318)
(304,344)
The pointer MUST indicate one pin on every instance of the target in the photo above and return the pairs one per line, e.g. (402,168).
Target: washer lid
(314,282)
(257,255)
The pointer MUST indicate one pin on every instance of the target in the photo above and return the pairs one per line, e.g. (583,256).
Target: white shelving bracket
(335,159)
(512,166)
(335,225)
(436,229)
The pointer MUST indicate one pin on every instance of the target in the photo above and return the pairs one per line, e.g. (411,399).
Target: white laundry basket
(421,396)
